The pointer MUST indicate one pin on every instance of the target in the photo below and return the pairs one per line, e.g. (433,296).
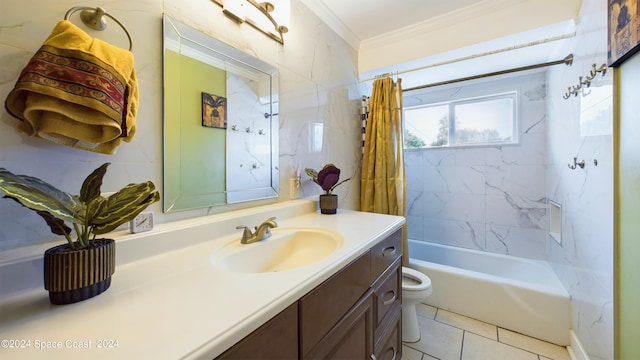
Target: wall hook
(585,81)
(576,163)
(594,71)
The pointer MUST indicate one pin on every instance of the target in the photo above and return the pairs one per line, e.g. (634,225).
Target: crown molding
(451,23)
(318,8)
(437,23)
(444,20)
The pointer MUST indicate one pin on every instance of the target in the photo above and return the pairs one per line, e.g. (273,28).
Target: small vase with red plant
(328,178)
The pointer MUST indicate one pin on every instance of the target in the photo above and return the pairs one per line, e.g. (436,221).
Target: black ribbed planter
(328,203)
(72,275)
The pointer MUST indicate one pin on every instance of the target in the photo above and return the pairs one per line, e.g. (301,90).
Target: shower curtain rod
(568,60)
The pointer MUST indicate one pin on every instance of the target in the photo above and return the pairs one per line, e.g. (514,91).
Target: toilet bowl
(416,286)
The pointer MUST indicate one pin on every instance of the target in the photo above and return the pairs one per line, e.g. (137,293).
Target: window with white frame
(488,120)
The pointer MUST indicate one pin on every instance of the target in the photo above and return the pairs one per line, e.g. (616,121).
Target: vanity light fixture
(269,17)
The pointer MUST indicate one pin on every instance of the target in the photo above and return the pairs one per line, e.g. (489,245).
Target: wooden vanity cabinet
(355,314)
(372,328)
(351,337)
(389,346)
(323,308)
(387,287)
(276,339)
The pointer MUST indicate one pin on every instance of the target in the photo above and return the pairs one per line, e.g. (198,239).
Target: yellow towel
(77,91)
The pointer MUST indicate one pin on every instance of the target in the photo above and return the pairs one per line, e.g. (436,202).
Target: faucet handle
(246,233)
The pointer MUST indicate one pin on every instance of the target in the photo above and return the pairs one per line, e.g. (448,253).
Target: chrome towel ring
(94,19)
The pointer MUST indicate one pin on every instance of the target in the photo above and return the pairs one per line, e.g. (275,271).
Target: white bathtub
(514,293)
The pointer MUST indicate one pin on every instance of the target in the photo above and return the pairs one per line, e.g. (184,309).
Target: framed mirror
(220,122)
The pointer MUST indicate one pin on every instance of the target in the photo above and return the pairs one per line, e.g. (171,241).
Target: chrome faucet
(261,232)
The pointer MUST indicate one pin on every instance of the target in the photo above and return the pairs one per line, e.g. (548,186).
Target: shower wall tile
(466,234)
(415,156)
(515,180)
(520,211)
(516,241)
(489,198)
(440,158)
(582,127)
(530,151)
(416,176)
(455,206)
(469,156)
(454,179)
(535,112)
(415,203)
(415,227)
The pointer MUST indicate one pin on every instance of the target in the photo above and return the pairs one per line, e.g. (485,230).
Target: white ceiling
(368,19)
(386,33)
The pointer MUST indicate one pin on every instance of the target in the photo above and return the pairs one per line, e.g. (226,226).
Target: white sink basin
(287,248)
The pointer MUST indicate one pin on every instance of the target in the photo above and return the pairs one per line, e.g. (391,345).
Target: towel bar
(94,18)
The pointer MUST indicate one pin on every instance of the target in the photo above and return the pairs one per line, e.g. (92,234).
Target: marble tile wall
(248,138)
(489,198)
(317,85)
(582,126)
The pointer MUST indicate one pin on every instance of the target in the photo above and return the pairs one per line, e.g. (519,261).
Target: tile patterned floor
(449,336)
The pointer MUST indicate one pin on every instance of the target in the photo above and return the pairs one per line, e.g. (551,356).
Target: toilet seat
(419,281)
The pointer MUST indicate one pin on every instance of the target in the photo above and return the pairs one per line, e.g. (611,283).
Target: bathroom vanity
(352,315)
(172,297)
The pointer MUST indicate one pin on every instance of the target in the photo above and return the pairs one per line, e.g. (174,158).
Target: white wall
(582,126)
(318,84)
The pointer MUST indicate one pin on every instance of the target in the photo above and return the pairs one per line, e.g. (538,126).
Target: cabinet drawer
(389,345)
(385,253)
(388,295)
(325,305)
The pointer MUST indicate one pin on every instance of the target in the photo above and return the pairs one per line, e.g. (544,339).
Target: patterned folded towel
(77,91)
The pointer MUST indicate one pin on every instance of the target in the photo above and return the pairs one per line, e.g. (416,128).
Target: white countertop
(178,304)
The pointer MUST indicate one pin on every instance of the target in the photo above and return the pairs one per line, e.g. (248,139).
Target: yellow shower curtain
(383,183)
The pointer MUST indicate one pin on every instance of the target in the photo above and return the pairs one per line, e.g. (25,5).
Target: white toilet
(416,286)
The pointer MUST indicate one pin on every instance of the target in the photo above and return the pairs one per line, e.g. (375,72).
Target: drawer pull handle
(388,251)
(393,348)
(389,301)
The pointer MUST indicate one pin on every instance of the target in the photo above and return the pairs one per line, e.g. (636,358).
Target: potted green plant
(82,267)
(328,179)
